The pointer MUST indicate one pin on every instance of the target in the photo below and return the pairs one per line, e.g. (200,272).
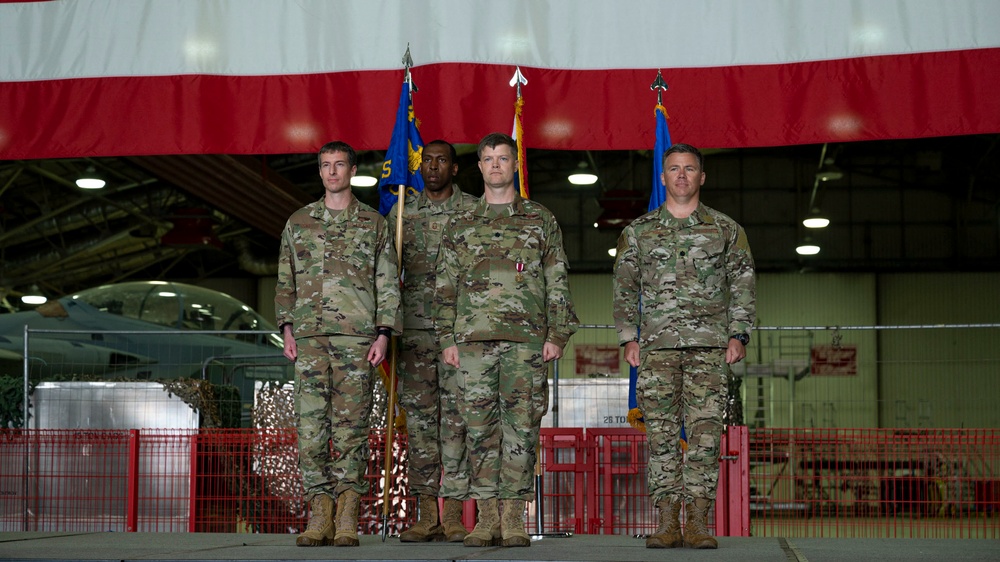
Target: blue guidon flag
(656,198)
(402,160)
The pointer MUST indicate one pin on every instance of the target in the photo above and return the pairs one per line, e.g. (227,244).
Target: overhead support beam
(240,186)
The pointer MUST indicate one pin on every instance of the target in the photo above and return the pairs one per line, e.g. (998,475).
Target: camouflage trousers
(504,394)
(689,385)
(333,400)
(428,391)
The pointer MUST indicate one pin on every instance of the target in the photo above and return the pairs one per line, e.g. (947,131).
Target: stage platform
(579,548)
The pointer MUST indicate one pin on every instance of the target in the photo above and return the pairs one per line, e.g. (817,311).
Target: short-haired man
(684,305)
(428,387)
(502,311)
(337,304)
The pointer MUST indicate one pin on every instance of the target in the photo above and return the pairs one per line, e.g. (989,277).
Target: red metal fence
(875,482)
(773,482)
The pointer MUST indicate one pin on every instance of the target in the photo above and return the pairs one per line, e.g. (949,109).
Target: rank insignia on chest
(435,226)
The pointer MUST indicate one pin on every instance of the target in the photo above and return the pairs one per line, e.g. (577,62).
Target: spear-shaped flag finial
(660,86)
(518,79)
(407,64)
(407,59)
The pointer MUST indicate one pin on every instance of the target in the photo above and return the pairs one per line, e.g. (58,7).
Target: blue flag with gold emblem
(659,193)
(402,161)
(656,198)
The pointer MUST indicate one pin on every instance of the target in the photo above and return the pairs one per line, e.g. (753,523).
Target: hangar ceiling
(904,205)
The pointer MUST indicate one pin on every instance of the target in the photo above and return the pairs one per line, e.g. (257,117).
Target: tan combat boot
(319,531)
(426,527)
(512,524)
(668,534)
(696,532)
(487,530)
(347,519)
(454,530)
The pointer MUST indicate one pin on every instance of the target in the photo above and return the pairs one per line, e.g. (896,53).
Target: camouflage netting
(12,402)
(733,412)
(217,405)
(274,407)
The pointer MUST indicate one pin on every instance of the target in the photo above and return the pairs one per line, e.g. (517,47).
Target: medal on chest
(519,266)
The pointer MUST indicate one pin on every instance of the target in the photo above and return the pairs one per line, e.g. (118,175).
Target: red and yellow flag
(521,175)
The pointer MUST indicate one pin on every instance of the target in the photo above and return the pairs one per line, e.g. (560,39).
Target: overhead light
(90,180)
(582,179)
(363,181)
(829,171)
(815,220)
(807,248)
(583,175)
(34,296)
(613,252)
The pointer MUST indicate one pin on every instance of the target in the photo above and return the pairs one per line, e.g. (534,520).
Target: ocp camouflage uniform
(695,279)
(502,292)
(336,285)
(427,386)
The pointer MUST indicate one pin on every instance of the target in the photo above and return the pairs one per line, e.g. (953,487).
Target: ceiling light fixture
(90,180)
(815,219)
(34,296)
(582,179)
(807,248)
(584,173)
(829,171)
(363,181)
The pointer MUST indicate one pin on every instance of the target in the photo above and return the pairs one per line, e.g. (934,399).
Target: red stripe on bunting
(870,98)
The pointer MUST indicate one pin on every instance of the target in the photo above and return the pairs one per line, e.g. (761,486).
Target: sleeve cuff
(628,334)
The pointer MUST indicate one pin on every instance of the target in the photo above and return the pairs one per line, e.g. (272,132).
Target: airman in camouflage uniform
(428,388)
(337,304)
(684,305)
(502,310)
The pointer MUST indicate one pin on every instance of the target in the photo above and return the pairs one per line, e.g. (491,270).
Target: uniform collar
(516,207)
(320,212)
(699,216)
(448,204)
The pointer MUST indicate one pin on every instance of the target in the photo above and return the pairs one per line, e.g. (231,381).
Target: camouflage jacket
(423,223)
(337,274)
(503,277)
(695,278)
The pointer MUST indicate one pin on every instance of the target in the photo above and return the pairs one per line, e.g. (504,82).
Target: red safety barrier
(732,504)
(617,497)
(772,482)
(561,480)
(875,482)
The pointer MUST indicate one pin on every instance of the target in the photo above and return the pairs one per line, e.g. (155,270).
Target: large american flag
(105,77)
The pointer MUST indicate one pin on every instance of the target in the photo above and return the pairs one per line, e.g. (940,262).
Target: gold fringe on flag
(522,159)
(635,419)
